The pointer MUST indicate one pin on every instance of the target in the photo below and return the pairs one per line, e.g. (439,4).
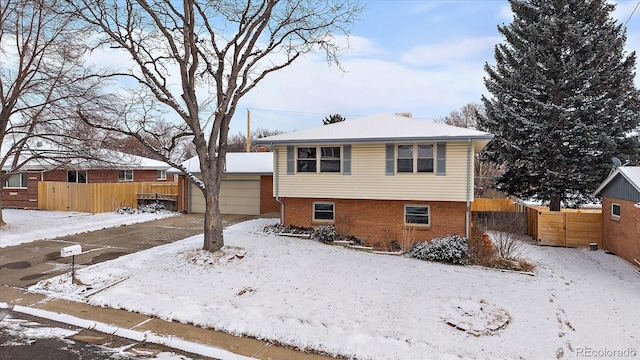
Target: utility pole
(248,131)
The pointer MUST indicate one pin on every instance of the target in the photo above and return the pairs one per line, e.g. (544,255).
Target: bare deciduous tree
(41,78)
(194,60)
(238,142)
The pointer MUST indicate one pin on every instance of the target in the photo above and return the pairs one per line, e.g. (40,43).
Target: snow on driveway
(368,306)
(25,226)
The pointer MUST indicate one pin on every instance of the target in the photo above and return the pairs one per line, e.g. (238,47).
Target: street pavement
(24,265)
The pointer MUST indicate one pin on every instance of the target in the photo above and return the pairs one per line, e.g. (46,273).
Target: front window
(77,176)
(330,160)
(162,175)
(405,158)
(323,211)
(615,211)
(307,159)
(125,175)
(16,181)
(414,158)
(416,215)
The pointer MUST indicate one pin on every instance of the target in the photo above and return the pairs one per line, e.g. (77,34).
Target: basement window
(615,211)
(416,215)
(323,212)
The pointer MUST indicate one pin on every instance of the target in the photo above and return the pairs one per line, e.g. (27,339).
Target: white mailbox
(70,250)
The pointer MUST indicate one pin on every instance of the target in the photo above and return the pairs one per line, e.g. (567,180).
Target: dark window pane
(405,151)
(330,152)
(306,153)
(405,165)
(425,151)
(307,165)
(82,177)
(324,207)
(330,165)
(425,165)
(417,215)
(321,215)
(71,177)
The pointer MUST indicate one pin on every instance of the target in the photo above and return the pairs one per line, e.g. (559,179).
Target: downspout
(187,183)
(468,212)
(277,184)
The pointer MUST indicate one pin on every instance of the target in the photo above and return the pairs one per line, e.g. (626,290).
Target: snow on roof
(96,159)
(237,163)
(377,128)
(631,173)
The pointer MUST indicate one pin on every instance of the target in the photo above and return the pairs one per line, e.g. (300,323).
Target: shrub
(508,245)
(452,249)
(325,233)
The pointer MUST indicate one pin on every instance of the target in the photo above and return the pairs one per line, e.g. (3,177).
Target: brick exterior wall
(379,221)
(105,176)
(620,236)
(268,202)
(22,198)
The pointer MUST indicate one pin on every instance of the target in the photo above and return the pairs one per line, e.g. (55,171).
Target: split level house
(620,194)
(21,189)
(378,177)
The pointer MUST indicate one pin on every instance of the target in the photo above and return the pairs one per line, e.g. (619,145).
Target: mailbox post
(72,251)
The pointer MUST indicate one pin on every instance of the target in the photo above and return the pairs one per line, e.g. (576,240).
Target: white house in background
(246,186)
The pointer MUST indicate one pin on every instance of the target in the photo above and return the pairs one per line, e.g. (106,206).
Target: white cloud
(450,52)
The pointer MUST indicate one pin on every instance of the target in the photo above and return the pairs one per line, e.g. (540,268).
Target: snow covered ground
(25,226)
(368,306)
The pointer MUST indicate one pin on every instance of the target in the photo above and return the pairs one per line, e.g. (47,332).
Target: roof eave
(375,140)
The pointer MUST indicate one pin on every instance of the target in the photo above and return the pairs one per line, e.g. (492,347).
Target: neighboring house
(246,186)
(21,190)
(621,213)
(381,177)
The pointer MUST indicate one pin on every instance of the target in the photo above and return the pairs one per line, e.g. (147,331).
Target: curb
(169,341)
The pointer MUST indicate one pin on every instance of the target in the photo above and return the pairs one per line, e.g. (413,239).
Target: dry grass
(408,238)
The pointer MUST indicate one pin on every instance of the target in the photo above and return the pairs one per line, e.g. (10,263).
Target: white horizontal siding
(368,179)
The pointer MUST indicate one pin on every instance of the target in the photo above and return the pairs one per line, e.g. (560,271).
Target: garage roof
(237,163)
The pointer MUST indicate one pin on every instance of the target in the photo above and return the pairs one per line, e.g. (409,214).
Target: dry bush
(344,224)
(508,245)
(479,252)
(408,238)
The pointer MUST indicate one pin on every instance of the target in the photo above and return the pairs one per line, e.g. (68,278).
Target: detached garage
(246,189)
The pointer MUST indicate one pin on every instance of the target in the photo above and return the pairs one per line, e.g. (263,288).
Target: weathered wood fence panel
(98,197)
(486,204)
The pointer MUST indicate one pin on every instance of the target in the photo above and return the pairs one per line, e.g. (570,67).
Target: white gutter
(276,176)
(468,212)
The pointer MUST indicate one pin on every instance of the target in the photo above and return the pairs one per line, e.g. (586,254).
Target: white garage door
(236,197)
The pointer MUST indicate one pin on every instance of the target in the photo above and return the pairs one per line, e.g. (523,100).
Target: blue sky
(422,56)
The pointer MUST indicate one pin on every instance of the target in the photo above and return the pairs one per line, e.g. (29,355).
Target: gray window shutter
(291,160)
(441,153)
(390,160)
(346,159)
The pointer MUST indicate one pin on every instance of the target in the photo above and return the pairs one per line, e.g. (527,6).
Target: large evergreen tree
(563,99)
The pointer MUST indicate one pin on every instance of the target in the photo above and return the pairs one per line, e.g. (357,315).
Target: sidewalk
(205,342)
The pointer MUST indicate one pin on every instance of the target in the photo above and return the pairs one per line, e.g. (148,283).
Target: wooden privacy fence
(98,197)
(568,227)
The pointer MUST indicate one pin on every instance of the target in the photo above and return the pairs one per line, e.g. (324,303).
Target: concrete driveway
(26,264)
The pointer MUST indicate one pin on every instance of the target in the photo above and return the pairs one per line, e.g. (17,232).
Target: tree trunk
(1,218)
(554,203)
(213,237)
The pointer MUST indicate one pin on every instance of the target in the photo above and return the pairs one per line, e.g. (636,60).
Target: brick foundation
(620,236)
(268,202)
(379,221)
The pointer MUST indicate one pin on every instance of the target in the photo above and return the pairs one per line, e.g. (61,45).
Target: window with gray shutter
(390,161)
(441,153)
(291,160)
(346,159)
